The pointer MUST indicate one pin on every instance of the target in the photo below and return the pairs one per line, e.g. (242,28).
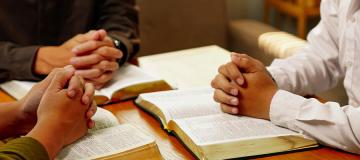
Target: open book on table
(128,82)
(188,68)
(111,140)
(209,133)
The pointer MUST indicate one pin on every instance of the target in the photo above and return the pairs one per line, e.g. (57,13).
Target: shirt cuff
(26,148)
(285,109)
(23,66)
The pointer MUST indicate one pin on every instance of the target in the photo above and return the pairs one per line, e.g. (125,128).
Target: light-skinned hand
(96,60)
(50,57)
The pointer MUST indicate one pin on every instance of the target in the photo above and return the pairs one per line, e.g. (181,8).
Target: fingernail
(69,68)
(86,100)
(90,114)
(234,92)
(234,111)
(72,93)
(240,81)
(234,101)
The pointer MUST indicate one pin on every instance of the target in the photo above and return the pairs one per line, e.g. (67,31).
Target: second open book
(128,82)
(211,134)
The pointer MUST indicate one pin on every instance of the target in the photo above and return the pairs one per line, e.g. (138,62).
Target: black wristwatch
(121,46)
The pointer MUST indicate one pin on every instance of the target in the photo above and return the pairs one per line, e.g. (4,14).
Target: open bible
(128,82)
(111,140)
(209,133)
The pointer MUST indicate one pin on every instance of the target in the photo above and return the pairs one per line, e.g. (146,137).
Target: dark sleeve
(25,148)
(16,62)
(120,19)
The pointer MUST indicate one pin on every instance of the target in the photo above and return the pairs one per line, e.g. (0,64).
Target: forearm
(12,121)
(48,135)
(328,123)
(315,68)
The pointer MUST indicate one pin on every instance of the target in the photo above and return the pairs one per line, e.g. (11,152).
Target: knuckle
(78,35)
(97,57)
(93,44)
(221,68)
(98,72)
(103,50)
(215,97)
(213,83)
(224,108)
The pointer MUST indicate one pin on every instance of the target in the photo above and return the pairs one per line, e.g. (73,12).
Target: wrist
(50,57)
(25,121)
(52,138)
(42,66)
(122,47)
(13,121)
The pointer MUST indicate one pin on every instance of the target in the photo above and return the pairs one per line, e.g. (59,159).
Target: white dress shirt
(332,52)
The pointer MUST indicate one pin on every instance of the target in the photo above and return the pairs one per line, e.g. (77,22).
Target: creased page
(225,128)
(105,142)
(127,75)
(178,104)
(187,68)
(103,119)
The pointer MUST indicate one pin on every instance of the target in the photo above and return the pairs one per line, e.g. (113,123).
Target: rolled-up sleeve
(25,148)
(16,62)
(328,123)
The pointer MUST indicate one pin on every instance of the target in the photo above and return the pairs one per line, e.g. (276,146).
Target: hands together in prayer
(244,87)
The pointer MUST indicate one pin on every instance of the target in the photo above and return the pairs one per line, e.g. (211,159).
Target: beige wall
(250,9)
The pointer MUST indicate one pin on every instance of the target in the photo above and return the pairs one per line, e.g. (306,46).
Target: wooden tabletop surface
(172,149)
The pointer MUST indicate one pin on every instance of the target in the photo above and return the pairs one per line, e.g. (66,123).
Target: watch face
(117,43)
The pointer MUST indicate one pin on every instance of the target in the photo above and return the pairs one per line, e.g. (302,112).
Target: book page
(186,68)
(17,89)
(105,142)
(103,119)
(177,104)
(225,128)
(127,75)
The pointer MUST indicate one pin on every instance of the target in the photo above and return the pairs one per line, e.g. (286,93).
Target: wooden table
(172,149)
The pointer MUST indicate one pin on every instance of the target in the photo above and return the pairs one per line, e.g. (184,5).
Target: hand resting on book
(244,87)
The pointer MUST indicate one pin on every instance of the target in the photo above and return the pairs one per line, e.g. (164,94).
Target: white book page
(176,104)
(105,142)
(103,119)
(186,68)
(127,75)
(224,128)
(17,89)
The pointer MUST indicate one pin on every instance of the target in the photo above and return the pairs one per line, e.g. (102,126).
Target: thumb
(61,78)
(246,63)
(102,34)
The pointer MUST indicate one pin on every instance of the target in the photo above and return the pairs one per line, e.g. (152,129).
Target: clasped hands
(244,87)
(93,55)
(58,110)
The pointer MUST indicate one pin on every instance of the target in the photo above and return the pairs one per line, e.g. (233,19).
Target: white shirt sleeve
(329,123)
(316,68)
